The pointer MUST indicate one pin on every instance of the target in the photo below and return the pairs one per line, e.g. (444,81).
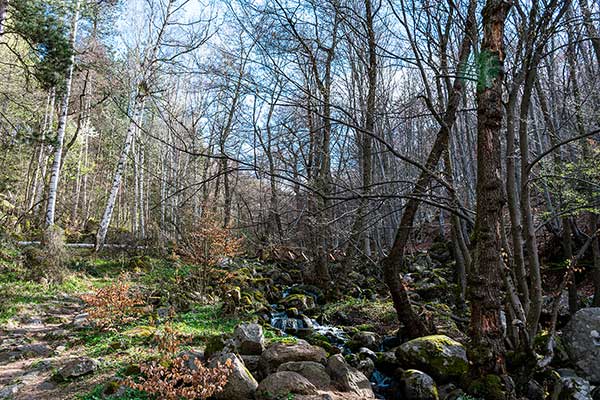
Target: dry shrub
(175,377)
(210,243)
(114,304)
(177,380)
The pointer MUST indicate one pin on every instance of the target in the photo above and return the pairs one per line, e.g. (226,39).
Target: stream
(301,326)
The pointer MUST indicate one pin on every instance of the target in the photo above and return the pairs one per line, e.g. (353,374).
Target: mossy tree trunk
(487,347)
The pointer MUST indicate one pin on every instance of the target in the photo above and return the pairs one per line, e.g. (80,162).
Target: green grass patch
(205,321)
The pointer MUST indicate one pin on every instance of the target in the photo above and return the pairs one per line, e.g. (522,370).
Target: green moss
(430,353)
(489,387)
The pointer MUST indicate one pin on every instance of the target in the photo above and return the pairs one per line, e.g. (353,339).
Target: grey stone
(347,378)
(313,371)
(280,353)
(77,367)
(572,387)
(284,383)
(438,355)
(417,385)
(249,339)
(240,385)
(582,341)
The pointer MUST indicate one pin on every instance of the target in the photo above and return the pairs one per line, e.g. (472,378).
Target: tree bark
(487,346)
(62,125)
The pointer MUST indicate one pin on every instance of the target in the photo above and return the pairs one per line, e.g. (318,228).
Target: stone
(302,302)
(284,383)
(438,355)
(313,371)
(240,385)
(417,385)
(535,391)
(572,387)
(249,339)
(280,353)
(251,362)
(363,353)
(370,340)
(7,392)
(80,321)
(347,378)
(366,366)
(34,350)
(581,338)
(387,362)
(76,368)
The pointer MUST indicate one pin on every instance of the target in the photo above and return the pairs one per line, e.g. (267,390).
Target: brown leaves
(175,379)
(113,305)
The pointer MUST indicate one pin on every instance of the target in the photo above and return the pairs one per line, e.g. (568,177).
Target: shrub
(114,304)
(177,380)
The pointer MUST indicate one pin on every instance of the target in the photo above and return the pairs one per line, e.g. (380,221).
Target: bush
(175,380)
(114,304)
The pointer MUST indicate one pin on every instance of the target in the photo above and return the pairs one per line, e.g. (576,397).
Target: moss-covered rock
(417,385)
(302,302)
(489,387)
(438,355)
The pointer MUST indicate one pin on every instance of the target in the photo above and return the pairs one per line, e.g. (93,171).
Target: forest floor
(50,348)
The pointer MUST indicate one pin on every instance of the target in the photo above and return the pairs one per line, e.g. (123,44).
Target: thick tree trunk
(487,346)
(62,126)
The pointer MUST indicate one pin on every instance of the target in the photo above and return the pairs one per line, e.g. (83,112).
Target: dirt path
(35,345)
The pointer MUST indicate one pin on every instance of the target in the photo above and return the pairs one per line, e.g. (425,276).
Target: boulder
(313,371)
(347,378)
(284,383)
(240,385)
(299,301)
(387,362)
(581,338)
(76,368)
(417,385)
(280,353)
(251,362)
(249,339)
(437,355)
(370,340)
(366,366)
(572,387)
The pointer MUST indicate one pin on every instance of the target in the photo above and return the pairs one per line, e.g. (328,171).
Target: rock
(417,385)
(284,383)
(581,338)
(191,356)
(280,353)
(366,366)
(76,368)
(347,378)
(370,340)
(535,391)
(572,387)
(390,342)
(216,344)
(7,392)
(240,385)
(387,362)
(313,371)
(363,353)
(251,362)
(302,302)
(437,355)
(249,339)
(80,321)
(34,350)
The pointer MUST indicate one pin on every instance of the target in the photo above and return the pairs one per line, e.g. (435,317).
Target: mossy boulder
(489,387)
(302,302)
(417,385)
(437,355)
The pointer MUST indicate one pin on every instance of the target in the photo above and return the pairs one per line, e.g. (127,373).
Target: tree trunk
(62,125)
(114,191)
(487,347)
(392,263)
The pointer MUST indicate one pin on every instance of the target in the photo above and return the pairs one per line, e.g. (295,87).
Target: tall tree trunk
(392,263)
(136,119)
(62,125)
(487,346)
